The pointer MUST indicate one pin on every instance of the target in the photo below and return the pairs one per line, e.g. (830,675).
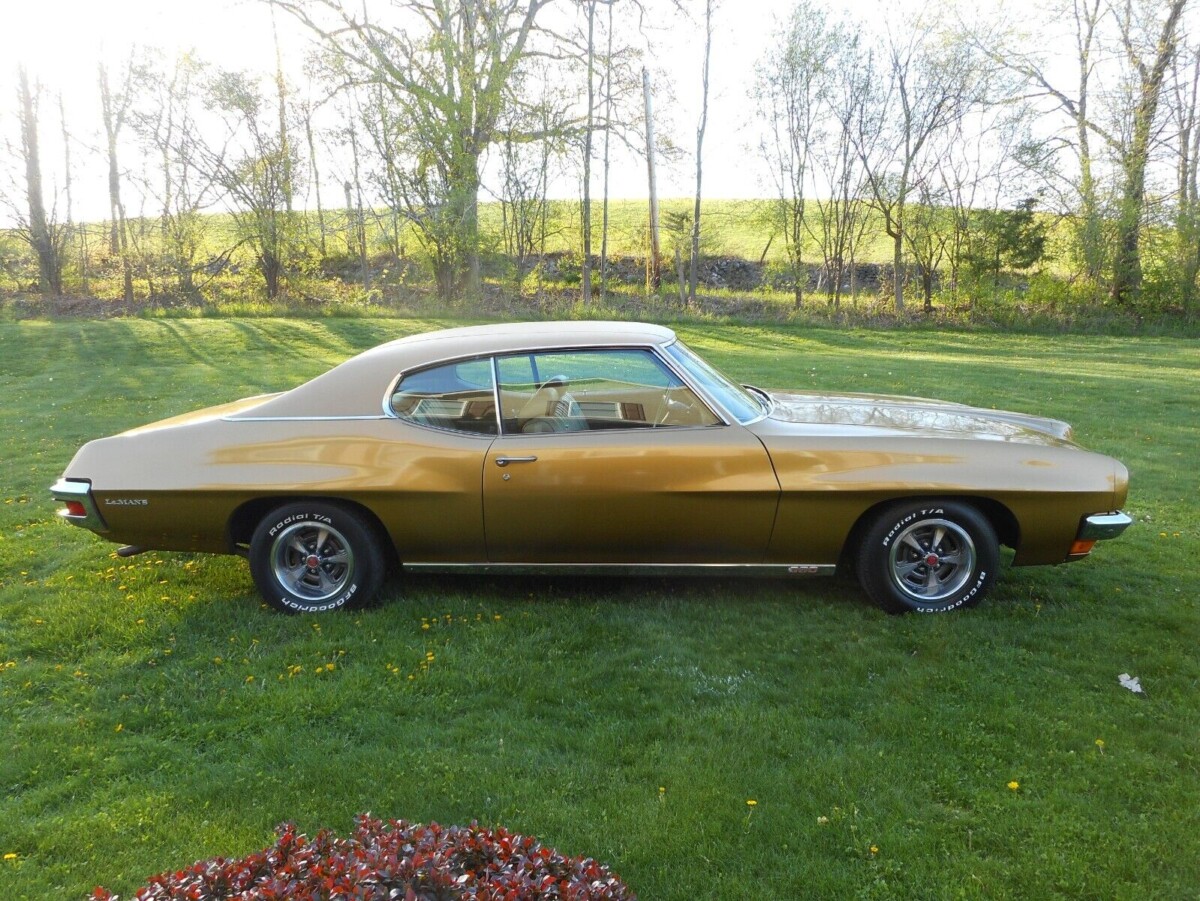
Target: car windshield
(742,405)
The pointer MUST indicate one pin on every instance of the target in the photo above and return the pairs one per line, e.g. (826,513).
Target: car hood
(906,415)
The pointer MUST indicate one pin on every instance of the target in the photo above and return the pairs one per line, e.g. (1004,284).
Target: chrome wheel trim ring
(312,560)
(931,560)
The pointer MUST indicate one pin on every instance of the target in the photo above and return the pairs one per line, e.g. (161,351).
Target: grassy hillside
(153,712)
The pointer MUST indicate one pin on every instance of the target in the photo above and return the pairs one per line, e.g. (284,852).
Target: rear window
(456,396)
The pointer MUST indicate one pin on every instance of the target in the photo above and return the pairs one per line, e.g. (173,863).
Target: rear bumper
(77,495)
(1102,526)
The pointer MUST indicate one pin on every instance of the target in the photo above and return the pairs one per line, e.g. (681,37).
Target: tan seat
(541,404)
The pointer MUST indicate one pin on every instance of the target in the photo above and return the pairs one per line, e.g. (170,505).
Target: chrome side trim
(80,491)
(236,418)
(629,569)
(1102,526)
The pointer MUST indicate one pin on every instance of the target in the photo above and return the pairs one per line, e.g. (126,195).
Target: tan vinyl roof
(357,386)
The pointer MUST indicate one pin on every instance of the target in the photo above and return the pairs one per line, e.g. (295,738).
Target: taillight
(75,508)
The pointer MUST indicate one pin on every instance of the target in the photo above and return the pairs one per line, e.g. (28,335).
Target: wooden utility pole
(654,261)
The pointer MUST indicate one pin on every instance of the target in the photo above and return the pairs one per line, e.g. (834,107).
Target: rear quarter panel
(424,485)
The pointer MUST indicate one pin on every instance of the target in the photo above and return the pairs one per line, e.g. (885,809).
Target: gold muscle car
(598,447)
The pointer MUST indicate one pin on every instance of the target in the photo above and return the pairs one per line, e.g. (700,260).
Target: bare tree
(924,86)
(1184,106)
(70,229)
(447,69)
(700,128)
(168,125)
(654,257)
(115,107)
(526,165)
(1123,118)
(589,130)
(608,105)
(841,215)
(1148,52)
(249,164)
(790,88)
(281,94)
(39,230)
(928,232)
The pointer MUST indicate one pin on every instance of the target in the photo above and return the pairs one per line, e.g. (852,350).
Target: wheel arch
(246,517)
(999,516)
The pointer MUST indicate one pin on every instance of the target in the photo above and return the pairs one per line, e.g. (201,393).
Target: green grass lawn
(153,712)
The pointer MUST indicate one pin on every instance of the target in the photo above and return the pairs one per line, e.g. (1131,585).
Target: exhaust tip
(129,550)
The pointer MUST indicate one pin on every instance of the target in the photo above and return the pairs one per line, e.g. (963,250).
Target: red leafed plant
(392,861)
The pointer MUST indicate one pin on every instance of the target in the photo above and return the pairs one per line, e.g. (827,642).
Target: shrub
(393,860)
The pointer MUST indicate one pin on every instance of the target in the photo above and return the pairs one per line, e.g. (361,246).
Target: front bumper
(1102,526)
(81,509)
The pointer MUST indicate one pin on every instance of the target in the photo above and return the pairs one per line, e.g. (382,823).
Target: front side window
(590,390)
(457,396)
(743,405)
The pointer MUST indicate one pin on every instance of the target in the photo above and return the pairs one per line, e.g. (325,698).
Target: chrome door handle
(504,461)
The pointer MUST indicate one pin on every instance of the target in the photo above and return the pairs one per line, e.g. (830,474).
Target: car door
(433,508)
(606,456)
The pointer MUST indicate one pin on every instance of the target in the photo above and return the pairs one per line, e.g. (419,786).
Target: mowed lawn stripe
(153,712)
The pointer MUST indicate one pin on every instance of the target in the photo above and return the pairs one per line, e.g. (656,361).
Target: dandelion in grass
(1014,785)
(10,856)
(1100,745)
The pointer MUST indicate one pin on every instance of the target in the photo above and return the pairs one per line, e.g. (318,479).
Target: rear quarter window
(455,396)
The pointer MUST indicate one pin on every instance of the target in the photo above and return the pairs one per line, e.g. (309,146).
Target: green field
(153,712)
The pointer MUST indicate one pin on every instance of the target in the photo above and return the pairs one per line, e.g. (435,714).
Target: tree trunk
(44,246)
(70,224)
(654,260)
(118,237)
(607,131)
(316,176)
(585,269)
(1127,265)
(695,258)
(285,149)
(471,219)
(898,270)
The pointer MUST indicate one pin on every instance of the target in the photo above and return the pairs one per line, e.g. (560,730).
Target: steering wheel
(541,403)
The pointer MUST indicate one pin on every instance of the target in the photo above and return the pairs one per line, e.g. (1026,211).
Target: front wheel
(314,557)
(931,557)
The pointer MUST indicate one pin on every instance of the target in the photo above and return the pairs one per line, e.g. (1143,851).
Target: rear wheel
(314,557)
(931,557)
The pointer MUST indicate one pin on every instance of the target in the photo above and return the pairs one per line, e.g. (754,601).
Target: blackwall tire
(316,557)
(928,557)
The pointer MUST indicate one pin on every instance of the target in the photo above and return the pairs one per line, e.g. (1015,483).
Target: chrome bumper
(68,490)
(1102,526)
